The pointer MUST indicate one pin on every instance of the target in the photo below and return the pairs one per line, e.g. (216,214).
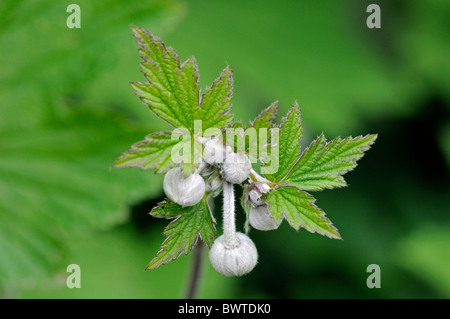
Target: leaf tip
(138,32)
(373,137)
(151,266)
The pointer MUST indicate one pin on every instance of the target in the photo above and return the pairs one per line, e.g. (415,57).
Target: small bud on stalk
(236,167)
(234,260)
(233,253)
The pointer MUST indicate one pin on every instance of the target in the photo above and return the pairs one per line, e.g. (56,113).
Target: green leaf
(55,181)
(189,224)
(172,91)
(298,208)
(424,252)
(155,152)
(171,88)
(289,143)
(216,102)
(55,185)
(263,121)
(322,164)
(70,67)
(265,118)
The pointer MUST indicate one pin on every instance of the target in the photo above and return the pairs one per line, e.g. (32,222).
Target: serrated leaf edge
(175,219)
(327,143)
(134,148)
(312,204)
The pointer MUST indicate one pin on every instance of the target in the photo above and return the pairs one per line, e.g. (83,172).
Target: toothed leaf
(322,164)
(189,224)
(172,92)
(261,124)
(216,102)
(288,144)
(152,153)
(265,118)
(171,88)
(298,208)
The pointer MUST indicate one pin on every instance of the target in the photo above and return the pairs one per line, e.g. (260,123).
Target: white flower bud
(235,260)
(213,152)
(260,218)
(236,168)
(183,191)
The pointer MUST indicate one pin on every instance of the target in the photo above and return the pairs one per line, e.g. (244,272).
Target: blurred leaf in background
(67,111)
(425,253)
(56,147)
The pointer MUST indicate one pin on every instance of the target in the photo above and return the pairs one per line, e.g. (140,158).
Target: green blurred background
(67,111)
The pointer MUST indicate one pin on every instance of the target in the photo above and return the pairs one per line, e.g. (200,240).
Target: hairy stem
(258,177)
(229,223)
(197,266)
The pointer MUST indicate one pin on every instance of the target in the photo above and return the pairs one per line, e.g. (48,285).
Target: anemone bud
(260,218)
(213,152)
(234,260)
(185,191)
(236,167)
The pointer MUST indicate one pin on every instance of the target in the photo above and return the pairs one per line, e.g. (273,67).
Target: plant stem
(229,223)
(196,271)
(197,263)
(258,177)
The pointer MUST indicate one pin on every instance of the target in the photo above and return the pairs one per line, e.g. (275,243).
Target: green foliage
(289,143)
(55,184)
(172,93)
(347,78)
(265,118)
(263,121)
(172,89)
(216,102)
(322,164)
(262,143)
(298,208)
(425,252)
(152,153)
(190,224)
(56,148)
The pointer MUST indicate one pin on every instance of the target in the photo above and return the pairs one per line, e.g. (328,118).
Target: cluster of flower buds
(234,167)
(233,253)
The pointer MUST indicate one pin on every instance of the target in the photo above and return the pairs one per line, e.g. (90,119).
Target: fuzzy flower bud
(213,152)
(235,260)
(236,167)
(260,218)
(185,191)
